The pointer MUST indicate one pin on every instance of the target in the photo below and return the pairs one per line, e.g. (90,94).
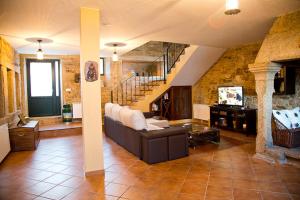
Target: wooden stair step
(133,100)
(139,95)
(147,90)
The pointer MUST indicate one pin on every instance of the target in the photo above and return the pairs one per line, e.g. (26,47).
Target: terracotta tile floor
(224,171)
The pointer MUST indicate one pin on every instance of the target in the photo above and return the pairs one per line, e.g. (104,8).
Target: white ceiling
(135,22)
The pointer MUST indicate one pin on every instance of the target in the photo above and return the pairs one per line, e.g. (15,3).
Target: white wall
(4,142)
(197,65)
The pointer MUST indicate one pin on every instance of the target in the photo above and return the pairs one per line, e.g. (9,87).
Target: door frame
(27,82)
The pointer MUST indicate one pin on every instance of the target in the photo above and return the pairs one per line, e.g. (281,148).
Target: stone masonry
(9,70)
(281,43)
(230,69)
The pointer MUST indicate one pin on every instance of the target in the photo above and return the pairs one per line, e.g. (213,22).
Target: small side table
(25,138)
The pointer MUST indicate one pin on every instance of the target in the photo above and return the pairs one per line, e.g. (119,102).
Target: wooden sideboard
(233,118)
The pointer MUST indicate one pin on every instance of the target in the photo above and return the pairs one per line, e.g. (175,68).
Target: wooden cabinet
(25,138)
(235,119)
(181,98)
(174,104)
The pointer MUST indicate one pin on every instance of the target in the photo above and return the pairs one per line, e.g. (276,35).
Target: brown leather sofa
(150,146)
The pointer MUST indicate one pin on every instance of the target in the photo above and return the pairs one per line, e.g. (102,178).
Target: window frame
(103,59)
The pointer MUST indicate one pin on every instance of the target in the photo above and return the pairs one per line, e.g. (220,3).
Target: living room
(174,134)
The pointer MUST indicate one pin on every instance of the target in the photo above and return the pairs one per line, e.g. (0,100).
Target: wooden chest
(25,138)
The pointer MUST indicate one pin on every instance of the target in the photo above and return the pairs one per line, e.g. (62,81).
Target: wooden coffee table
(198,133)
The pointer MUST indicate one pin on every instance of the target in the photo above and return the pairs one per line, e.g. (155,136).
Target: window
(102,65)
(41,79)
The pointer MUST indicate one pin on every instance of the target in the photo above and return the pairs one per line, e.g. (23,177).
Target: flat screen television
(231,95)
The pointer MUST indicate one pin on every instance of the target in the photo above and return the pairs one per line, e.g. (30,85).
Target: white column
(264,83)
(91,91)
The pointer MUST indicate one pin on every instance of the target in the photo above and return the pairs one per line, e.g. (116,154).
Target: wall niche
(11,90)
(18,90)
(2,99)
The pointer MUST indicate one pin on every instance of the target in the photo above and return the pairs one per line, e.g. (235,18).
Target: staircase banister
(123,81)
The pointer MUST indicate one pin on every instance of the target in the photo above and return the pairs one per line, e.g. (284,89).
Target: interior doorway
(43,87)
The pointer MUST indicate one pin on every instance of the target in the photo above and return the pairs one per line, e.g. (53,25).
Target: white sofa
(134,119)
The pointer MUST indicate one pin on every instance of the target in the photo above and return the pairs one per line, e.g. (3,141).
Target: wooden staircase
(137,87)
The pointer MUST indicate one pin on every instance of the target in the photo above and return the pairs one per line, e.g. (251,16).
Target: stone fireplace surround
(282,43)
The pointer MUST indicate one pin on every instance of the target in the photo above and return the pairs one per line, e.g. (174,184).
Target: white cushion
(283,117)
(151,127)
(124,114)
(295,117)
(159,123)
(115,112)
(136,120)
(107,109)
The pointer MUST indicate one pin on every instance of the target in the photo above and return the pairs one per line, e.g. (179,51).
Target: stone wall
(70,67)
(105,97)
(150,49)
(141,67)
(230,70)
(282,41)
(9,70)
(282,101)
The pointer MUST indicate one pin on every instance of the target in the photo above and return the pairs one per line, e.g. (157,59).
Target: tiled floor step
(60,129)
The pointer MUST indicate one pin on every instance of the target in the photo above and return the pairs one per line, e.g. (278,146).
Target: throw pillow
(136,120)
(283,117)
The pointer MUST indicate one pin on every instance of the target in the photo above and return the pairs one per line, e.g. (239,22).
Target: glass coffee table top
(197,129)
(198,133)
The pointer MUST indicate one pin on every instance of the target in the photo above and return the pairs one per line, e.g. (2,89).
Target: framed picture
(91,71)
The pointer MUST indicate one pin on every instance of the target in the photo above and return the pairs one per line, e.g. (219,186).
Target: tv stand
(233,118)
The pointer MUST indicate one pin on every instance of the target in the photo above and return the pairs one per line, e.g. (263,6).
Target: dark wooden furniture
(198,133)
(284,81)
(25,138)
(175,103)
(233,118)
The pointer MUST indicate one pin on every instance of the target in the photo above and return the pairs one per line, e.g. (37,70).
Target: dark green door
(43,87)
